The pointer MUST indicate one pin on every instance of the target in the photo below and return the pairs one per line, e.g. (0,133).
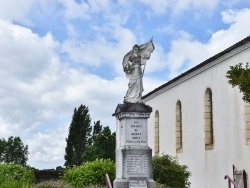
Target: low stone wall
(45,175)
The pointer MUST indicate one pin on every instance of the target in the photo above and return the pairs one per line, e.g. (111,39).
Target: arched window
(247,121)
(208,116)
(178,124)
(157,146)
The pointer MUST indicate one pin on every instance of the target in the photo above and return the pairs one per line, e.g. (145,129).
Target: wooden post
(108,184)
(245,178)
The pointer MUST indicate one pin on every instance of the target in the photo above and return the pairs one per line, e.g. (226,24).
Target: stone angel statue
(132,66)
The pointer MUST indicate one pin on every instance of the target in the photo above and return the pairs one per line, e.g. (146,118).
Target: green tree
(103,146)
(168,171)
(97,128)
(13,151)
(78,137)
(240,76)
(59,168)
(2,149)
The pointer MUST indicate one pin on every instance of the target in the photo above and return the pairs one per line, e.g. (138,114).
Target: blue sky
(58,54)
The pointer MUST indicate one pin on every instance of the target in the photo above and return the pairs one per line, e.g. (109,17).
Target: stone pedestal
(133,156)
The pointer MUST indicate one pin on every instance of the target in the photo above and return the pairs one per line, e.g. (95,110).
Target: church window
(178,124)
(208,116)
(157,146)
(247,121)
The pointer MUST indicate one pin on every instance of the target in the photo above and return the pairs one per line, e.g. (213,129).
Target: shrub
(10,182)
(52,184)
(90,173)
(16,172)
(95,186)
(168,172)
(158,185)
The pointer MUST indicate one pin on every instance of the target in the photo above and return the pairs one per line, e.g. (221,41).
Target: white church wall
(208,167)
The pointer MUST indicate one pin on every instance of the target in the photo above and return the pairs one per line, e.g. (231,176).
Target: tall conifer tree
(79,134)
(96,130)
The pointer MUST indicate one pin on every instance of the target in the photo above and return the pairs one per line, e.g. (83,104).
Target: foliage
(13,175)
(95,186)
(60,184)
(2,149)
(239,76)
(168,171)
(97,128)
(10,182)
(13,151)
(103,146)
(52,184)
(90,173)
(158,185)
(59,168)
(78,137)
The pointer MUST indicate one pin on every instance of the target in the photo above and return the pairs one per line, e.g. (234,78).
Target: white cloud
(239,28)
(97,5)
(47,149)
(18,10)
(38,92)
(231,3)
(178,6)
(159,6)
(150,84)
(15,10)
(73,10)
(187,52)
(157,60)
(182,5)
(23,53)
(23,58)
(101,51)
(84,9)
(169,29)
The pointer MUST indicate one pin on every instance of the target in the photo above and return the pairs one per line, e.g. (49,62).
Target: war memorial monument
(133,155)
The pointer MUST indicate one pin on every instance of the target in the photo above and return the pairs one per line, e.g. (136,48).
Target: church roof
(209,60)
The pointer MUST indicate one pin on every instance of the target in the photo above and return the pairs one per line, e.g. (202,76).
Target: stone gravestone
(133,155)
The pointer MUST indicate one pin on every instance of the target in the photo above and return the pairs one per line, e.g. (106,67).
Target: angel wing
(145,51)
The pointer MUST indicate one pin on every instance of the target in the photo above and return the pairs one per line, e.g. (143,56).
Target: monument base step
(133,183)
